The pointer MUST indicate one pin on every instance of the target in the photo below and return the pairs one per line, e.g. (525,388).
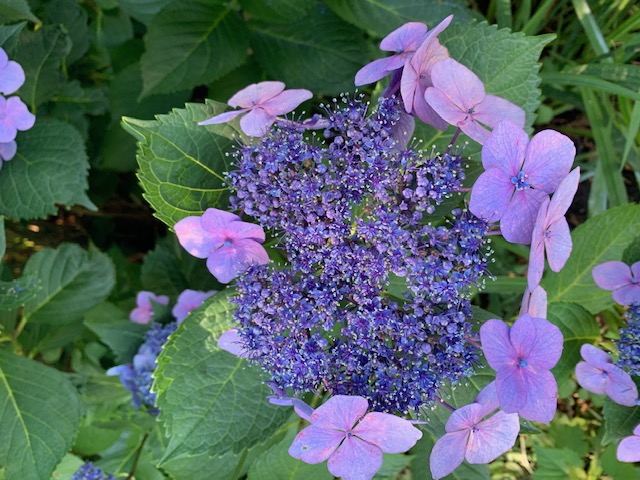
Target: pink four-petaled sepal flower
(353,440)
(598,374)
(231,342)
(522,358)
(143,312)
(11,74)
(519,175)
(623,279)
(230,245)
(474,437)
(262,102)
(14,116)
(458,96)
(629,447)
(188,301)
(551,231)
(416,76)
(403,41)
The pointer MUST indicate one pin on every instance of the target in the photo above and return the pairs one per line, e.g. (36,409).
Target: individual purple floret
(623,279)
(143,312)
(403,42)
(629,447)
(11,74)
(416,76)
(229,244)
(137,376)
(263,101)
(598,374)
(629,343)
(88,471)
(14,116)
(351,439)
(474,437)
(458,96)
(522,358)
(519,174)
(551,231)
(189,300)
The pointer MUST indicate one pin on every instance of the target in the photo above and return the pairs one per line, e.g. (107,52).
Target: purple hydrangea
(88,471)
(623,279)
(11,74)
(629,343)
(143,312)
(629,447)
(14,116)
(188,301)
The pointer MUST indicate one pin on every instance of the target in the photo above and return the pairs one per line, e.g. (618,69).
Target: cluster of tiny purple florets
(629,343)
(88,471)
(352,215)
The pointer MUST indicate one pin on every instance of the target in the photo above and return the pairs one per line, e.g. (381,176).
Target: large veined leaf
(383,16)
(72,281)
(318,51)
(143,10)
(12,10)
(279,11)
(39,414)
(181,163)
(50,168)
(619,420)
(192,42)
(211,401)
(600,239)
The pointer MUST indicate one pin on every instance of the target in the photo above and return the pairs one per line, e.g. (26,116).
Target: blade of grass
(541,16)
(634,127)
(523,14)
(581,80)
(590,26)
(629,25)
(503,13)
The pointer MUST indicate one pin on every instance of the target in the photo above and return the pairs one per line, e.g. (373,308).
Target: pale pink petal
(635,271)
(231,342)
(402,130)
(464,418)
(22,118)
(591,378)
(538,341)
(562,198)
(558,244)
(511,387)
(627,295)
(612,275)
(340,412)
(488,399)
(141,315)
(460,85)
(4,58)
(8,151)
(227,262)
(188,301)
(517,222)
(8,131)
(239,229)
(536,255)
(537,306)
(594,356)
(257,122)
(355,459)
(216,221)
(223,117)
(542,396)
(493,437)
(620,387)
(548,159)
(443,106)
(374,71)
(11,77)
(629,449)
(493,110)
(505,149)
(496,345)
(636,431)
(405,38)
(315,444)
(448,453)
(286,101)
(474,130)
(427,114)
(195,239)
(256,94)
(491,195)
(389,433)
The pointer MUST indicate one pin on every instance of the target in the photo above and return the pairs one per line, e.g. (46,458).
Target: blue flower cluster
(137,376)
(629,343)
(353,215)
(89,471)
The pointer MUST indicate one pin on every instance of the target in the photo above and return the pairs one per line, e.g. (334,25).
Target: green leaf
(210,400)
(277,11)
(14,10)
(16,293)
(319,51)
(75,22)
(162,273)
(191,42)
(73,281)
(600,239)
(631,254)
(578,326)
(3,239)
(143,10)
(74,97)
(50,168)
(41,54)
(619,421)
(558,464)
(112,326)
(39,414)
(181,163)
(383,16)
(9,35)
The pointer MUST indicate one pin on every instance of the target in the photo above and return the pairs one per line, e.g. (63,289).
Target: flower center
(227,243)
(604,374)
(523,363)
(519,181)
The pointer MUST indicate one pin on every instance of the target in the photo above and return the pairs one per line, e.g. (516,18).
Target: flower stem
(445,404)
(453,140)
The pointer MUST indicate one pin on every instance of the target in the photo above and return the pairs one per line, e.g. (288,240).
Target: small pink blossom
(534,303)
(629,447)
(230,245)
(598,374)
(11,74)
(623,279)
(189,300)
(474,436)
(458,96)
(263,101)
(7,151)
(351,439)
(143,313)
(14,116)
(231,342)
